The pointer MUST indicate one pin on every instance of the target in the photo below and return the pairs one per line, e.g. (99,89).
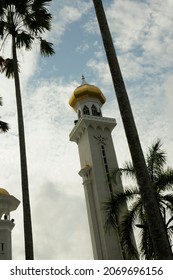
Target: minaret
(92,133)
(8,203)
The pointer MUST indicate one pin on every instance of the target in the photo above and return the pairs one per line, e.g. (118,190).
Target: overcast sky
(143,35)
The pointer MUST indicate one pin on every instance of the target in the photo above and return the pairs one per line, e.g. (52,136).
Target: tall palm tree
(3,125)
(154,221)
(24,21)
(162,184)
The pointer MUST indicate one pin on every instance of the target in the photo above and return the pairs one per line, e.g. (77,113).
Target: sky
(142,32)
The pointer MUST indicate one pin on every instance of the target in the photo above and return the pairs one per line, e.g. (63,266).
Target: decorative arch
(86,110)
(94,110)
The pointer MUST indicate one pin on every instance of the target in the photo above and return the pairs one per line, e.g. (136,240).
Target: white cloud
(82,48)
(70,14)
(126,24)
(66,209)
(101,70)
(91,26)
(64,14)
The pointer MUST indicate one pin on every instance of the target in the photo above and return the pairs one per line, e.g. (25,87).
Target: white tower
(92,133)
(8,203)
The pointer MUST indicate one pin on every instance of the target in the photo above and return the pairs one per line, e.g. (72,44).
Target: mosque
(92,134)
(8,203)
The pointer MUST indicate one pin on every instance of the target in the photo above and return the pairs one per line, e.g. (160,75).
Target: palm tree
(24,21)
(3,125)
(162,185)
(154,221)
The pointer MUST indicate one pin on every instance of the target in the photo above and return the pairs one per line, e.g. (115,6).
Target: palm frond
(3,5)
(110,217)
(156,159)
(22,7)
(124,220)
(117,206)
(24,40)
(164,181)
(40,4)
(128,170)
(168,198)
(43,22)
(46,48)
(38,22)
(42,14)
(166,201)
(114,174)
(169,221)
(8,68)
(170,231)
(2,62)
(146,246)
(131,193)
(170,234)
(2,27)
(112,209)
(4,127)
(126,231)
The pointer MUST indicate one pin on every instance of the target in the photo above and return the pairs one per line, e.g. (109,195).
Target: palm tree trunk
(24,174)
(154,219)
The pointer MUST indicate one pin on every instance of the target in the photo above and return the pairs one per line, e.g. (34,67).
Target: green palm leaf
(40,4)
(116,206)
(3,126)
(168,198)
(126,230)
(24,40)
(156,159)
(8,68)
(46,48)
(146,246)
(128,170)
(123,220)
(165,180)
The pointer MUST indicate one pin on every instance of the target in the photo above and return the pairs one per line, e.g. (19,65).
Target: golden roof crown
(84,91)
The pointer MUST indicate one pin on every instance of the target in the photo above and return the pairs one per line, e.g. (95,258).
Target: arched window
(94,110)
(79,114)
(86,110)
(99,113)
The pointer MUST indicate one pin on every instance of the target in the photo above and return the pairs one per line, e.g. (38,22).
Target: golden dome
(3,192)
(84,91)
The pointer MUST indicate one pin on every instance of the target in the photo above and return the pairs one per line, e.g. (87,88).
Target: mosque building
(92,133)
(8,203)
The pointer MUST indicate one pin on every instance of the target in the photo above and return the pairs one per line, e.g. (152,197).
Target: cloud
(61,241)
(82,48)
(64,14)
(131,18)
(91,26)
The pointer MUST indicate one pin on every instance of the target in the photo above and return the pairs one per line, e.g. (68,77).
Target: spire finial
(83,80)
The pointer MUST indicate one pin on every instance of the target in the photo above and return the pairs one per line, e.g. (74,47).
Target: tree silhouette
(24,21)
(154,221)
(162,185)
